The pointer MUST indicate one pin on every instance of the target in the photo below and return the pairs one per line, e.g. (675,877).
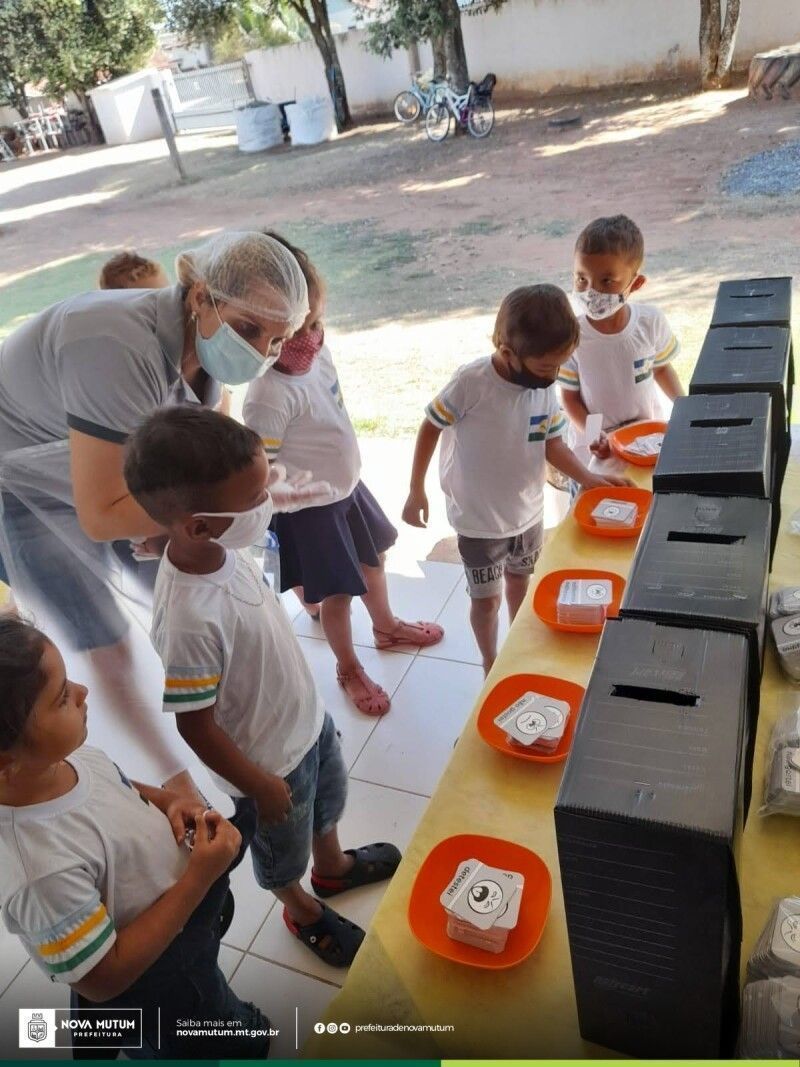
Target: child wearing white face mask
(625,349)
(236,677)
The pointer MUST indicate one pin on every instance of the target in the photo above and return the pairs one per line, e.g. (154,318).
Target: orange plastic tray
(588,501)
(428,919)
(512,688)
(546,597)
(625,435)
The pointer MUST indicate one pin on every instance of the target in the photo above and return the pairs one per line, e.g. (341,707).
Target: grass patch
(479,227)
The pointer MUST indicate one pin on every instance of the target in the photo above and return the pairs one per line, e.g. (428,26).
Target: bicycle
(472,110)
(413,102)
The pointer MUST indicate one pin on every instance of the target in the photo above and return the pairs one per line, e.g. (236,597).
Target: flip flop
(409,634)
(372,863)
(342,936)
(367,695)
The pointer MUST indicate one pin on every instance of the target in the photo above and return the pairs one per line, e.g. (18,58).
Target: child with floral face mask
(332,553)
(625,349)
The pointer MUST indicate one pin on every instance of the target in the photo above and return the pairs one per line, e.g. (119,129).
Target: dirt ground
(419,242)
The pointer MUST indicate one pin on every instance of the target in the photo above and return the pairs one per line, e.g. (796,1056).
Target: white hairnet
(251,271)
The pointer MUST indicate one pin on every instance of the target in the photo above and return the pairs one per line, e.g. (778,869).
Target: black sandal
(373,863)
(344,937)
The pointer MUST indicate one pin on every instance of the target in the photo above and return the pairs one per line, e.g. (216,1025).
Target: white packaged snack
(770,1027)
(535,721)
(786,635)
(611,513)
(584,601)
(646,445)
(777,951)
(782,773)
(784,602)
(480,894)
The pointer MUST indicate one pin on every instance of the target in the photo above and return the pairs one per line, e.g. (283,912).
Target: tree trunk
(454,47)
(710,34)
(326,43)
(414,62)
(95,129)
(439,56)
(727,42)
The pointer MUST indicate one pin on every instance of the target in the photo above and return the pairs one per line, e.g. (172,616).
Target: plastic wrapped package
(782,776)
(770,1027)
(786,636)
(258,127)
(311,121)
(784,602)
(777,951)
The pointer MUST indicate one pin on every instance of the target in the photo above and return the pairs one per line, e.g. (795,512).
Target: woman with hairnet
(75,381)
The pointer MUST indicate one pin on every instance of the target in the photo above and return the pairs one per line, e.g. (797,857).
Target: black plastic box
(702,561)
(719,445)
(647,824)
(753,302)
(750,360)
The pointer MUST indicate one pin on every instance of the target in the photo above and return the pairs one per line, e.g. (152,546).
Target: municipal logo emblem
(37,1027)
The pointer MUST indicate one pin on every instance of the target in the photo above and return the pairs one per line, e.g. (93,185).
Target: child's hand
(273,800)
(184,814)
(601,448)
(596,480)
(216,843)
(415,510)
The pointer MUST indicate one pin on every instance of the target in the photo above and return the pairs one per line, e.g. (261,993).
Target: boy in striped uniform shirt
(625,349)
(237,682)
(96,878)
(500,424)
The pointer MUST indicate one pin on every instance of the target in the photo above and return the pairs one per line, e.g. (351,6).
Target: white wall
(537,46)
(125,108)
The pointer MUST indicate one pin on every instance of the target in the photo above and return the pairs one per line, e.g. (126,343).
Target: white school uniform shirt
(614,372)
(302,422)
(492,464)
(76,869)
(225,641)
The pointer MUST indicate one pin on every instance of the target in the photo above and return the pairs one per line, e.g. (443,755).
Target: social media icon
(344,1028)
(332,1028)
(319,1028)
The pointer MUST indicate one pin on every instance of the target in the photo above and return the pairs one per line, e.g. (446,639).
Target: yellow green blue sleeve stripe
(440,414)
(187,690)
(668,354)
(71,949)
(557,425)
(272,446)
(568,378)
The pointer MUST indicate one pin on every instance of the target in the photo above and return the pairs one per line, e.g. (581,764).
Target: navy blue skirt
(322,549)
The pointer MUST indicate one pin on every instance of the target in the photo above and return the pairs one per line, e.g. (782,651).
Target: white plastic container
(258,127)
(312,120)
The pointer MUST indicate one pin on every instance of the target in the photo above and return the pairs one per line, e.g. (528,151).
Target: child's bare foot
(367,695)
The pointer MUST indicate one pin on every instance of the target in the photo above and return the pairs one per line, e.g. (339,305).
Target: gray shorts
(486,559)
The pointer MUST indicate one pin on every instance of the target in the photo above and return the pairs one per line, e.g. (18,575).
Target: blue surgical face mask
(228,358)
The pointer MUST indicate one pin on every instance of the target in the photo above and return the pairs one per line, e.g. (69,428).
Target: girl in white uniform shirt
(332,553)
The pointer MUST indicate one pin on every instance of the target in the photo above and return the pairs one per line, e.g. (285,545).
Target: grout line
(397,789)
(6,988)
(449,659)
(294,970)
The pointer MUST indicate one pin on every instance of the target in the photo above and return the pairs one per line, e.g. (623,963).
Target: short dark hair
(535,320)
(21,678)
(125,270)
(615,235)
(314,279)
(178,452)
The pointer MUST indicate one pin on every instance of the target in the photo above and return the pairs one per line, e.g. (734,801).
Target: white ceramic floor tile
(253,904)
(412,744)
(373,813)
(30,989)
(459,640)
(385,668)
(13,958)
(229,960)
(416,591)
(280,993)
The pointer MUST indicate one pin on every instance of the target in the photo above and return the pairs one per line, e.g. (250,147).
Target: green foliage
(74,45)
(253,29)
(399,23)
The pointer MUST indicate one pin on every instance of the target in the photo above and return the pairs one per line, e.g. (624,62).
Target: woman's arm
(106,510)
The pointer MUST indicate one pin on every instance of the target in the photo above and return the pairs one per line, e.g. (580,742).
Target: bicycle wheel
(437,122)
(406,107)
(480,119)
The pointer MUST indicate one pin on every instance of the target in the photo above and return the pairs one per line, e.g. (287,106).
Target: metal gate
(208,97)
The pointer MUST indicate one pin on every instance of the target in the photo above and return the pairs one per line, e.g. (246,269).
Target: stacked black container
(658,780)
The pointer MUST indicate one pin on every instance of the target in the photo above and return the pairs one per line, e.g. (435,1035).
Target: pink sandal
(409,634)
(367,695)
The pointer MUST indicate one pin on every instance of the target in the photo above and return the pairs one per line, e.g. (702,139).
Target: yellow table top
(529,1010)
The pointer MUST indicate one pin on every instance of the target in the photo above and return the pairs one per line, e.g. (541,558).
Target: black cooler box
(753,302)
